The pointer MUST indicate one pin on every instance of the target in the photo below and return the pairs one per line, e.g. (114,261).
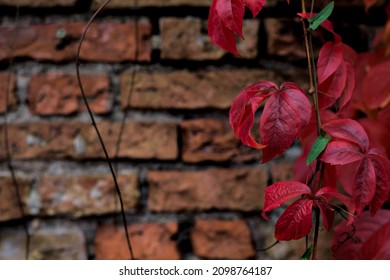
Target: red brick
(217,239)
(149,242)
(47,243)
(59,94)
(3,91)
(39,3)
(285,38)
(213,140)
(9,207)
(182,89)
(86,195)
(141,140)
(106,42)
(115,4)
(282,171)
(228,189)
(183,39)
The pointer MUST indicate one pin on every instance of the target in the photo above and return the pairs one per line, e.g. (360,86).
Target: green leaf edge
(321,16)
(307,254)
(317,148)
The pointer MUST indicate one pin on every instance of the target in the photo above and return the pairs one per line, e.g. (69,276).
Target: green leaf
(307,254)
(321,16)
(317,148)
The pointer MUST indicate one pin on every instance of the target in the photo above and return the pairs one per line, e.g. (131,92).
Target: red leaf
(255,6)
(348,130)
(329,193)
(349,87)
(341,153)
(382,189)
(243,108)
(329,60)
(327,213)
(364,184)
(280,192)
(287,111)
(376,86)
(369,241)
(377,247)
(226,19)
(285,114)
(296,221)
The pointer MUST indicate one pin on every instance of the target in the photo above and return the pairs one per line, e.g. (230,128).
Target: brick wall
(190,189)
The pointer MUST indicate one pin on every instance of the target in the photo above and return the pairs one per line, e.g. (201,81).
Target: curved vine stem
(313,92)
(117,188)
(8,153)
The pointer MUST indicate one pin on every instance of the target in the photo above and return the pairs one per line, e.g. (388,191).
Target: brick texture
(106,42)
(183,89)
(86,195)
(9,207)
(218,239)
(213,140)
(229,189)
(48,243)
(184,39)
(149,241)
(78,140)
(59,94)
(3,91)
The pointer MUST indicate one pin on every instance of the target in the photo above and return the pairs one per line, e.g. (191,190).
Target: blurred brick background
(190,189)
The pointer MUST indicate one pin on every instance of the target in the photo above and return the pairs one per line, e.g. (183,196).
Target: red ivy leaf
(370,240)
(341,153)
(284,116)
(255,6)
(364,184)
(327,213)
(382,190)
(287,111)
(225,20)
(280,192)
(376,86)
(296,221)
(348,130)
(329,60)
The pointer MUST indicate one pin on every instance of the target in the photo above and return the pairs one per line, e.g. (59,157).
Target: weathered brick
(218,239)
(3,91)
(141,140)
(59,94)
(184,39)
(213,140)
(106,42)
(282,171)
(149,242)
(50,243)
(115,4)
(86,195)
(39,3)
(229,189)
(183,89)
(283,38)
(9,206)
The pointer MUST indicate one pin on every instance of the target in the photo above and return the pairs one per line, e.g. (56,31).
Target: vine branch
(108,160)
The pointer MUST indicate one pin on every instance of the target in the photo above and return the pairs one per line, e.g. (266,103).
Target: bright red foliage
(350,144)
(226,19)
(349,87)
(286,112)
(296,221)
